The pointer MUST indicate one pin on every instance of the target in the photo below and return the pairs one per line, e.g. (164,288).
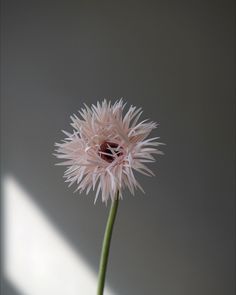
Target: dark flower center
(106,153)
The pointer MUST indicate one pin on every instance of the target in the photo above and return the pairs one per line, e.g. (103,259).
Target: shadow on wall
(8,289)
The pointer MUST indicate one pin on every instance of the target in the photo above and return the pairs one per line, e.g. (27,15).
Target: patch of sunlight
(37,259)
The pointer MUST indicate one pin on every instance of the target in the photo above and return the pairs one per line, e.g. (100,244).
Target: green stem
(106,245)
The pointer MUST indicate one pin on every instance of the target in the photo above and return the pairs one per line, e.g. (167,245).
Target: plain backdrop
(175,59)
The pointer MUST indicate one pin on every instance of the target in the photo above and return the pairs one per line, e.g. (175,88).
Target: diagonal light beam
(37,259)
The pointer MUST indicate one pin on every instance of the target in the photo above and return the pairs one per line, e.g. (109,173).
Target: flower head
(106,147)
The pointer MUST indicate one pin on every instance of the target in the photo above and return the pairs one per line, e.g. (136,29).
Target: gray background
(173,58)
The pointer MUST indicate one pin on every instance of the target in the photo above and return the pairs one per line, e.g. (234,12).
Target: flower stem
(106,245)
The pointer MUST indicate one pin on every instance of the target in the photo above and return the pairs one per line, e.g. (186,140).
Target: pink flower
(106,147)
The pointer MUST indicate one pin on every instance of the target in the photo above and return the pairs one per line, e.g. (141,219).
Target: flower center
(109,150)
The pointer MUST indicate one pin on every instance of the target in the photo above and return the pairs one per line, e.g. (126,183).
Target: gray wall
(173,58)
